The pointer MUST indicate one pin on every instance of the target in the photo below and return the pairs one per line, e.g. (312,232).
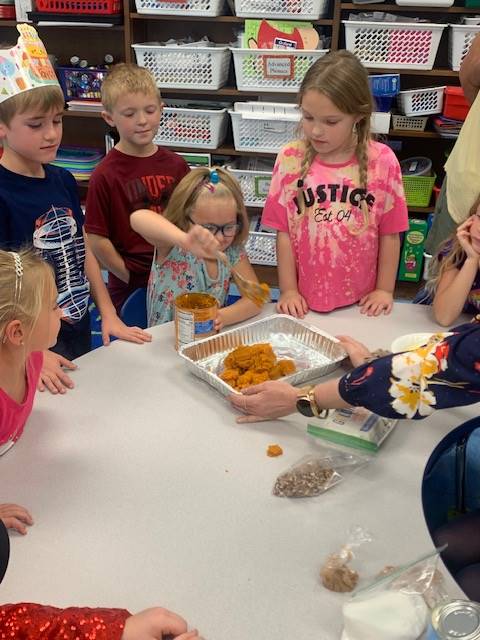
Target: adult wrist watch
(307,405)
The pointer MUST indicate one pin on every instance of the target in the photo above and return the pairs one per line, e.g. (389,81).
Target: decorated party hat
(26,65)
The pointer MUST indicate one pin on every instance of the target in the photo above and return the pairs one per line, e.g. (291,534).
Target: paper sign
(278,67)
(262,186)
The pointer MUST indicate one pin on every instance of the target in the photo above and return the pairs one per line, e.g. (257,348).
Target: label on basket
(275,127)
(278,67)
(262,186)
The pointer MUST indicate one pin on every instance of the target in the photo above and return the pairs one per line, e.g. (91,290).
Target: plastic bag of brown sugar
(316,473)
(336,573)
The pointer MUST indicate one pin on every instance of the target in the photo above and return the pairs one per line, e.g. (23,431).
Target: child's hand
(15,517)
(465,240)
(293,303)
(357,352)
(156,624)
(113,326)
(52,375)
(376,302)
(219,321)
(201,242)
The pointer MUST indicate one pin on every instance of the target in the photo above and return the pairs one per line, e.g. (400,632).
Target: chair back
(134,309)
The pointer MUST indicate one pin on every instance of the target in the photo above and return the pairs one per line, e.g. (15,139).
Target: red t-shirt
(120,185)
(13,415)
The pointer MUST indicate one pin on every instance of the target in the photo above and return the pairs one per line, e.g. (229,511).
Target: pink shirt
(335,268)
(13,415)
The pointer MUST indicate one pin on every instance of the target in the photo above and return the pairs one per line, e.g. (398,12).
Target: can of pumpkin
(195,315)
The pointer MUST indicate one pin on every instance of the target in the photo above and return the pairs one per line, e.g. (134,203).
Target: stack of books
(80,161)
(447,127)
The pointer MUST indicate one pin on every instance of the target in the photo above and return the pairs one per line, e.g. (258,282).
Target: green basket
(418,190)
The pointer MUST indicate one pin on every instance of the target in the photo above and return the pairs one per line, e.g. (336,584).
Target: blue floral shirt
(182,272)
(443,373)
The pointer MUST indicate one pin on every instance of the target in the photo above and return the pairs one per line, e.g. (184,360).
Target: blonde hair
(449,255)
(25,303)
(198,182)
(43,99)
(342,78)
(127,77)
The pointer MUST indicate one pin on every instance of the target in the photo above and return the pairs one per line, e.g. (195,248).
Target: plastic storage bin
(99,7)
(184,127)
(418,190)
(281,9)
(421,102)
(461,36)
(380,122)
(187,7)
(81,84)
(383,45)
(261,248)
(455,105)
(263,127)
(400,122)
(279,70)
(254,185)
(177,67)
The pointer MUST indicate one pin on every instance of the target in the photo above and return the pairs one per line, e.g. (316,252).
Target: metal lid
(460,619)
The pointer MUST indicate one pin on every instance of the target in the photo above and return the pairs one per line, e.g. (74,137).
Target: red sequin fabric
(28,621)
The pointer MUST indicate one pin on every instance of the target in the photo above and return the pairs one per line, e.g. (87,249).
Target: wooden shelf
(423,210)
(8,23)
(441,73)
(82,114)
(115,27)
(394,133)
(406,9)
(187,18)
(222,151)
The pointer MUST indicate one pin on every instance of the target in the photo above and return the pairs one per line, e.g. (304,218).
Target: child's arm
(290,300)
(241,309)
(455,284)
(108,256)
(164,235)
(380,300)
(155,624)
(111,323)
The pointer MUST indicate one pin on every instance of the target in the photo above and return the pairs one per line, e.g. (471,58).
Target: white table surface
(145,491)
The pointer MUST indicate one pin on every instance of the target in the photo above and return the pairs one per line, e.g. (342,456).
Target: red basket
(455,106)
(95,7)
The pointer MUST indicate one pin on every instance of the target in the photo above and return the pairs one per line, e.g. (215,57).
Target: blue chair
(451,503)
(134,309)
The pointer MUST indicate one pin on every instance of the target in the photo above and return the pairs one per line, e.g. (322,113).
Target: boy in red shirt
(136,174)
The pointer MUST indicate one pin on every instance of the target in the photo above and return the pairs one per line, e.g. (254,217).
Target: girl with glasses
(205,215)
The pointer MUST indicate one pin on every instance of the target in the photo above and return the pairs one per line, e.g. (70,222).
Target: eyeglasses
(227,230)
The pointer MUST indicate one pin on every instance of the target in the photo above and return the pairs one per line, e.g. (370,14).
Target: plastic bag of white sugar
(385,615)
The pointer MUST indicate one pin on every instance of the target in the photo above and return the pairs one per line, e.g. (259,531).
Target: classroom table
(145,492)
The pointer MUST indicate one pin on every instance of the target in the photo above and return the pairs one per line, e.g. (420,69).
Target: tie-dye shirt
(335,267)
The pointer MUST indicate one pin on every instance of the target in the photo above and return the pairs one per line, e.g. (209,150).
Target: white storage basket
(263,126)
(281,9)
(380,121)
(279,70)
(202,128)
(187,7)
(406,123)
(254,185)
(184,67)
(421,102)
(261,248)
(389,45)
(424,3)
(461,36)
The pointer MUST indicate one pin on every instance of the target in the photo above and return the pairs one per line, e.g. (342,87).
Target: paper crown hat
(25,66)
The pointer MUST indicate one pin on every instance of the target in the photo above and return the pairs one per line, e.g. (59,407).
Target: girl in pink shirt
(336,199)
(29,324)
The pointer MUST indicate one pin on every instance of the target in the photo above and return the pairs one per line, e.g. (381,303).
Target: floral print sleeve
(443,373)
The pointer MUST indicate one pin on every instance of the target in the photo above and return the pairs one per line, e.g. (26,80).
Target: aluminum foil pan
(314,352)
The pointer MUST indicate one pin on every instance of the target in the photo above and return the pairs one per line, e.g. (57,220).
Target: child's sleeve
(395,215)
(33,621)
(412,385)
(275,210)
(97,215)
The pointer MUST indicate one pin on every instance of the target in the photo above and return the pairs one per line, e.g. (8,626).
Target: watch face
(304,407)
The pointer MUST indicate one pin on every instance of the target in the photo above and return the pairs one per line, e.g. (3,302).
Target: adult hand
(201,242)
(15,517)
(113,326)
(293,303)
(357,352)
(155,624)
(376,302)
(465,239)
(272,399)
(53,376)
